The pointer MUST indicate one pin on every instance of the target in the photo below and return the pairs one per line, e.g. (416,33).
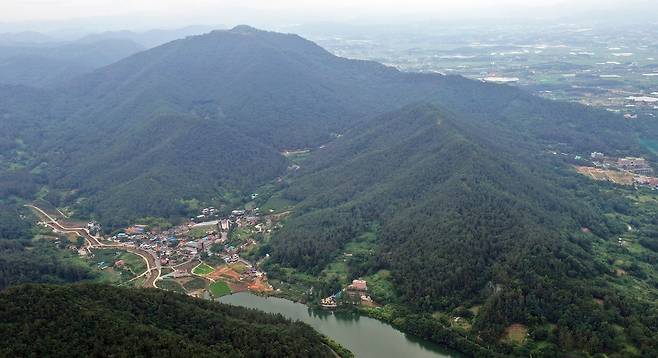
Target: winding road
(153,268)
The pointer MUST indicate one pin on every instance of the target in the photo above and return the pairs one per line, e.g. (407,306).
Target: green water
(364,336)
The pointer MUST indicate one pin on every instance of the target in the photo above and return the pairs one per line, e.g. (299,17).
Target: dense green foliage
(95,320)
(24,260)
(462,221)
(207,115)
(470,206)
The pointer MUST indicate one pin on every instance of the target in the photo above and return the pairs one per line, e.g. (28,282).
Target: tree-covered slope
(459,219)
(96,320)
(23,259)
(410,161)
(48,65)
(203,116)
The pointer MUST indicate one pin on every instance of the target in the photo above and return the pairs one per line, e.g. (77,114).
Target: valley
(464,213)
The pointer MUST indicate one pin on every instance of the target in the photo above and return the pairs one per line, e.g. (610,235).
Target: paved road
(153,269)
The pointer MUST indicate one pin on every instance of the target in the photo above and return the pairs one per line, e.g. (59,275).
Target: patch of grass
(381,287)
(137,282)
(336,269)
(134,262)
(297,156)
(202,269)
(195,284)
(201,231)
(170,285)
(516,333)
(108,276)
(219,289)
(276,204)
(240,234)
(238,267)
(134,265)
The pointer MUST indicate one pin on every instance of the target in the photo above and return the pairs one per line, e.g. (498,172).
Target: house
(329,302)
(597,156)
(119,263)
(358,285)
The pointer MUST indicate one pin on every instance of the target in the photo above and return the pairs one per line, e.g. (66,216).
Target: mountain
(44,65)
(207,115)
(95,320)
(456,219)
(200,117)
(24,38)
(452,189)
(151,38)
(408,164)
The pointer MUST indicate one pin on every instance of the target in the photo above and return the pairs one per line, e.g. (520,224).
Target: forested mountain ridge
(95,320)
(461,193)
(458,220)
(209,114)
(413,158)
(50,65)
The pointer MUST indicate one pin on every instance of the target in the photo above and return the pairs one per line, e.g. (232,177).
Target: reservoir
(364,336)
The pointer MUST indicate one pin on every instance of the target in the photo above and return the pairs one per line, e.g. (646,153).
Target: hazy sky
(20,10)
(172,13)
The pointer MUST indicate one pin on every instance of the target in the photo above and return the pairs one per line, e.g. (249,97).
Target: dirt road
(153,269)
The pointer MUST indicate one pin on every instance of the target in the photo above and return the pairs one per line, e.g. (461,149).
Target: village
(208,256)
(201,257)
(623,171)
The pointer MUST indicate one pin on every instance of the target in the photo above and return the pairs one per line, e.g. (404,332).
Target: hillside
(448,187)
(457,220)
(205,118)
(148,39)
(48,65)
(95,320)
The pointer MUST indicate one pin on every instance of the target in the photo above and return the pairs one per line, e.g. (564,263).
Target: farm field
(170,285)
(219,289)
(276,204)
(614,176)
(104,262)
(195,284)
(202,231)
(203,269)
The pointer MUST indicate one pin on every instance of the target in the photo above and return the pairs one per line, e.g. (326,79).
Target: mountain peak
(245,29)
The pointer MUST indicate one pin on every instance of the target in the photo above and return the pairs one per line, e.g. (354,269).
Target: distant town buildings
(635,165)
(597,156)
(624,171)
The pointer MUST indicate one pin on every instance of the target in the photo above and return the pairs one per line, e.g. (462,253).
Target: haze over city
(97,15)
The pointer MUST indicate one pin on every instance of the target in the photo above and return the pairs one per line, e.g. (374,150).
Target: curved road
(153,269)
